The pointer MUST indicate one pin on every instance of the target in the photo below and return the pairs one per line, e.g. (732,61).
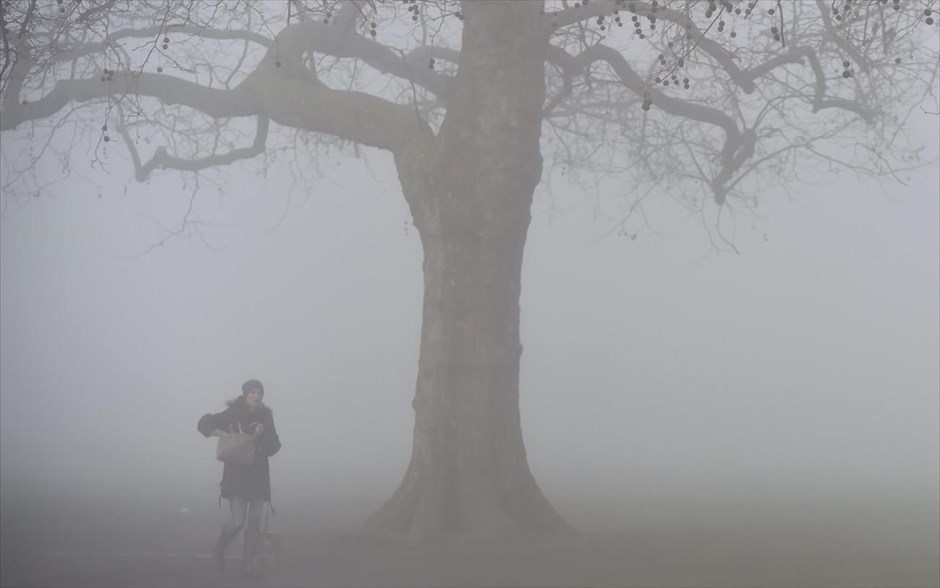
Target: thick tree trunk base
(523,512)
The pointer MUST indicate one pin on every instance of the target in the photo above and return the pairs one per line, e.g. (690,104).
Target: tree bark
(471,201)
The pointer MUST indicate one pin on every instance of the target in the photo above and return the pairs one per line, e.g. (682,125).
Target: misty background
(662,376)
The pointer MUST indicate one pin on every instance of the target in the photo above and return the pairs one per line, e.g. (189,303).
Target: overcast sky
(805,365)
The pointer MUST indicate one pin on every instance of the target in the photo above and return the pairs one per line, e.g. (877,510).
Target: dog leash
(268,514)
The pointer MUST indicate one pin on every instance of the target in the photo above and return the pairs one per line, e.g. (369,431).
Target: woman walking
(246,486)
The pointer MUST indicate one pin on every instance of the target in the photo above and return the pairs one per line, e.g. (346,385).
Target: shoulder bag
(236,447)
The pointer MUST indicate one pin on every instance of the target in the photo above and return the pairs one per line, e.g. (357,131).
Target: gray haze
(659,378)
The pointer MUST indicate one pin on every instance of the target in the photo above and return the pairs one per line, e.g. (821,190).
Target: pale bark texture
(468,470)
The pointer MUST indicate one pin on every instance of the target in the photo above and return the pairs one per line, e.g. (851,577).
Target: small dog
(263,560)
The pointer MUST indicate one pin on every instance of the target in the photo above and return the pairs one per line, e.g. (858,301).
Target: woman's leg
(237,513)
(255,509)
(253,527)
(238,508)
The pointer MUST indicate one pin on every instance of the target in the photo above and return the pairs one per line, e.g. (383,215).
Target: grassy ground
(61,545)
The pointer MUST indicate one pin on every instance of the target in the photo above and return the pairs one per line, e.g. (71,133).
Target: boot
(249,543)
(218,555)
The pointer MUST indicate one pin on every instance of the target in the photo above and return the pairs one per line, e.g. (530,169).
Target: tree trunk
(468,470)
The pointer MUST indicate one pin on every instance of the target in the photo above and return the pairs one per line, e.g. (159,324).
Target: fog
(792,387)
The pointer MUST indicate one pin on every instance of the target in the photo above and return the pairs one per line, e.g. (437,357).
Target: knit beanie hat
(250,385)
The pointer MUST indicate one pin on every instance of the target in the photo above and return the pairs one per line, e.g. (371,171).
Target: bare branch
(301,37)
(163,160)
(166,88)
(69,54)
(734,141)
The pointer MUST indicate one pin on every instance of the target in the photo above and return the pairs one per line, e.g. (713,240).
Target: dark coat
(245,481)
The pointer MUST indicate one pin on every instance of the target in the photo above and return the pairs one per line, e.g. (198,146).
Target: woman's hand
(259,429)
